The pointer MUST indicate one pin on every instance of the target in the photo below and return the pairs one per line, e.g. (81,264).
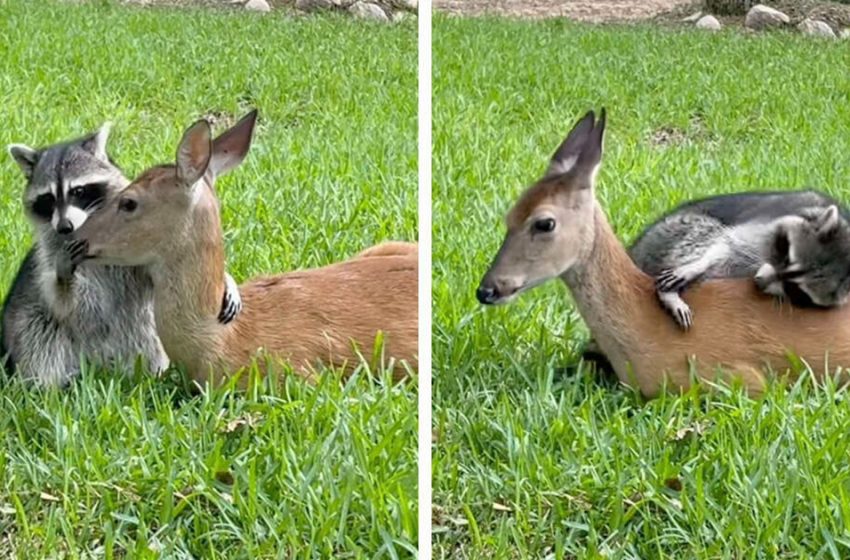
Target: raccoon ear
(194,153)
(25,157)
(232,146)
(96,141)
(827,223)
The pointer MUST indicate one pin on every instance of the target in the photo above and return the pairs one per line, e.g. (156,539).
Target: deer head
(551,227)
(155,213)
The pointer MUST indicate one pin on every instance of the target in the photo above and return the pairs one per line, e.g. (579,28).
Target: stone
(709,23)
(406,5)
(765,17)
(694,17)
(816,28)
(258,6)
(401,16)
(313,5)
(845,33)
(368,10)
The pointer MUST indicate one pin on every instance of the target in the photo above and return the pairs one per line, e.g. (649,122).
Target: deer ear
(96,141)
(828,222)
(194,153)
(591,154)
(566,156)
(229,149)
(25,157)
(580,154)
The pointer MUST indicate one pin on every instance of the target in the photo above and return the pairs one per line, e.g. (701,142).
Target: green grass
(118,468)
(532,461)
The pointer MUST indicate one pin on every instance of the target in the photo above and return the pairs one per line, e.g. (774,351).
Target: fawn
(168,220)
(558,229)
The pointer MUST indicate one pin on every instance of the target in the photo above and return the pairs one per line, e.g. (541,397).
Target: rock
(401,16)
(368,10)
(693,17)
(407,5)
(258,6)
(765,17)
(816,28)
(845,33)
(710,23)
(313,5)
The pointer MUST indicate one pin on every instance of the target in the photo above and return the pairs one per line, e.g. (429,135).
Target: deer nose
(486,294)
(65,226)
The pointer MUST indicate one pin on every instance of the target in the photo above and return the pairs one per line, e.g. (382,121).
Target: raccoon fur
(795,245)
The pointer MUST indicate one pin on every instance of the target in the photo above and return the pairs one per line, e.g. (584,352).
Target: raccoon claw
(670,280)
(676,306)
(73,253)
(231,303)
(229,310)
(76,249)
(685,318)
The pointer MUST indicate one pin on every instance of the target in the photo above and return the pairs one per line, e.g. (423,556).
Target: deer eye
(127,205)
(543,225)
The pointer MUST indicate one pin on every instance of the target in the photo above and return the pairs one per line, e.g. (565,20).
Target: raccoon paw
(231,303)
(672,280)
(73,253)
(677,307)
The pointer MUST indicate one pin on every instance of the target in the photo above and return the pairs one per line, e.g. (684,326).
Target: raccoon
(795,245)
(60,309)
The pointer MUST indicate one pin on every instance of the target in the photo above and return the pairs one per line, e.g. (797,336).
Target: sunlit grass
(144,468)
(536,456)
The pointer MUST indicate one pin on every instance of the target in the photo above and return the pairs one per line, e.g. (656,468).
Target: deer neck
(611,292)
(189,286)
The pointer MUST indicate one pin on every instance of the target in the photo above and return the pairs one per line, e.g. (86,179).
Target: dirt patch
(596,11)
(233,4)
(614,11)
(675,136)
(835,14)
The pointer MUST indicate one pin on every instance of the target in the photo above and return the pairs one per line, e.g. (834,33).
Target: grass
(536,456)
(143,468)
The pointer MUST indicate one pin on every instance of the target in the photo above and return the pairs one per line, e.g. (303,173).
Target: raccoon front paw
(672,280)
(676,306)
(73,253)
(231,303)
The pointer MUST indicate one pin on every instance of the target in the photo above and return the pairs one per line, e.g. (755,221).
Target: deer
(557,229)
(168,221)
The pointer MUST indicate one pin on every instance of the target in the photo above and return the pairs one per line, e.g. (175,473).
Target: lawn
(144,468)
(535,455)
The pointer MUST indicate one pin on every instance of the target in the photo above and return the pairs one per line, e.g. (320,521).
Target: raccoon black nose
(65,226)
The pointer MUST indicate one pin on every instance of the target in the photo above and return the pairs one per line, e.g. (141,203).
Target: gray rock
(709,23)
(693,17)
(400,16)
(406,5)
(765,17)
(313,5)
(816,28)
(368,10)
(258,6)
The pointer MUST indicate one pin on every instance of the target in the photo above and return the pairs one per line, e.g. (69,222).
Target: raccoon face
(67,182)
(815,266)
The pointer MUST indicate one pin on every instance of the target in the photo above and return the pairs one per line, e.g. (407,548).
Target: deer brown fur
(739,332)
(168,220)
